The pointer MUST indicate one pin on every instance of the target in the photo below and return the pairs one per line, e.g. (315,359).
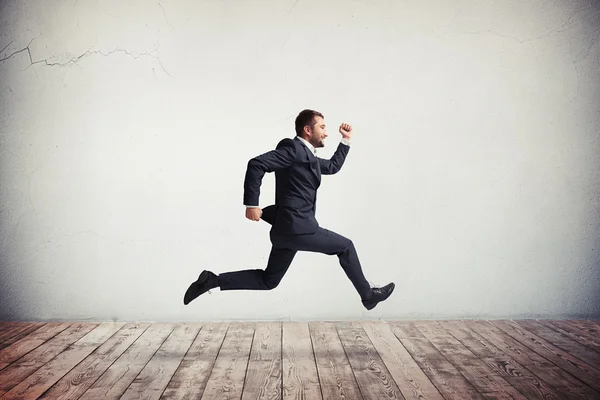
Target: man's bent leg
(328,242)
(258,279)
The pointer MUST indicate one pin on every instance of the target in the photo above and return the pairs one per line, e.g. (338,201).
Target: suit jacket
(297,178)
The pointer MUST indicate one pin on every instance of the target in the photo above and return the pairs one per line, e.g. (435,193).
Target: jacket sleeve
(282,157)
(333,165)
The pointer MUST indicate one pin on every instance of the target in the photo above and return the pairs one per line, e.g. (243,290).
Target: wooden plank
(432,329)
(446,378)
(410,378)
(522,331)
(574,332)
(335,373)
(4,325)
(18,330)
(563,382)
(8,329)
(227,378)
(263,375)
(503,365)
(154,378)
(19,370)
(481,376)
(590,327)
(117,378)
(300,377)
(373,378)
(565,343)
(191,377)
(42,379)
(79,379)
(30,342)
(406,330)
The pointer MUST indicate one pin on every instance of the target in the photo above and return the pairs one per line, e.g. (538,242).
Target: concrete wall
(473,181)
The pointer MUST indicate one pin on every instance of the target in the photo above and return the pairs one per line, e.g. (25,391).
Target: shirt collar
(310,146)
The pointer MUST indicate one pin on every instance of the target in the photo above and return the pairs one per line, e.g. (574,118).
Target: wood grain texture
(575,332)
(566,384)
(191,377)
(502,365)
(558,340)
(592,328)
(19,370)
(117,378)
(300,376)
(226,381)
(446,378)
(373,378)
(30,342)
(568,362)
(50,373)
(411,380)
(335,373)
(295,360)
(17,330)
(406,330)
(263,375)
(477,372)
(155,376)
(80,378)
(9,328)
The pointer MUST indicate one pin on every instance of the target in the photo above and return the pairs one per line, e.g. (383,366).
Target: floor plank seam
(214,362)
(336,326)
(312,346)
(555,346)
(248,361)
(453,365)
(149,359)
(180,361)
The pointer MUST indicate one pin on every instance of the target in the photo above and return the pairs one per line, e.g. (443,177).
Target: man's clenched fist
(346,130)
(253,214)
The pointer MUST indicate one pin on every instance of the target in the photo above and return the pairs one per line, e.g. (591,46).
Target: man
(298,173)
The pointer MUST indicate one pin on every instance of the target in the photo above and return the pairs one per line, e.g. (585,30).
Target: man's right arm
(282,157)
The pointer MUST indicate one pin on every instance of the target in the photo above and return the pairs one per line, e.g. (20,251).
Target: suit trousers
(283,251)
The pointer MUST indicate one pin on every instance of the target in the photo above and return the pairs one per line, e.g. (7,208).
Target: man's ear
(307,131)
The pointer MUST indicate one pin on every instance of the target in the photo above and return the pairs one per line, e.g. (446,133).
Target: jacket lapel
(314,163)
(312,159)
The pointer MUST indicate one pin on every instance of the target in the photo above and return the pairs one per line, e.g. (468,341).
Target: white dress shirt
(312,150)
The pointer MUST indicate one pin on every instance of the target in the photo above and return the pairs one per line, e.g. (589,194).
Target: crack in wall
(17,52)
(89,52)
(552,31)
(164,14)
(293,6)
(520,41)
(133,55)
(6,47)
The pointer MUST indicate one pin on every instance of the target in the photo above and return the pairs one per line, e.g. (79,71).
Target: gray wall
(472,182)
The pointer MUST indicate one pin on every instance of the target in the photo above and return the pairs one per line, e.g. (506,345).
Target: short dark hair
(306,117)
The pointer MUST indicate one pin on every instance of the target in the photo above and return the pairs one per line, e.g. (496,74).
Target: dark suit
(294,226)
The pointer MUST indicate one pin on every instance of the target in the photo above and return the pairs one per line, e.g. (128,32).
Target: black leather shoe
(379,294)
(206,281)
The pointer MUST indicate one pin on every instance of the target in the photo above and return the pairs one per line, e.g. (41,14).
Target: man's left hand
(346,130)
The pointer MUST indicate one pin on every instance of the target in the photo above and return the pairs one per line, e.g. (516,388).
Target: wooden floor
(525,359)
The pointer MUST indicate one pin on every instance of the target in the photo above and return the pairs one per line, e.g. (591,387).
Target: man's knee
(271,282)
(348,245)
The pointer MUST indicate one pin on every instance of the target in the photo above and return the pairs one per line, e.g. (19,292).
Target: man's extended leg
(258,279)
(328,242)
(251,279)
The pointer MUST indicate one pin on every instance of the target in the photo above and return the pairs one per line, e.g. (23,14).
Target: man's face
(318,133)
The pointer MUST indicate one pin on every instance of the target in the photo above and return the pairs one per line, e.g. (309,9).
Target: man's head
(310,125)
